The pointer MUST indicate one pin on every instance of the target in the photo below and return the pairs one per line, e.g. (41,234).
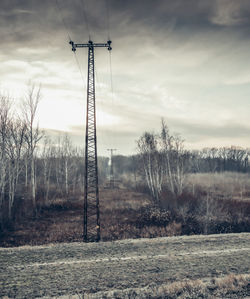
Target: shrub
(153,215)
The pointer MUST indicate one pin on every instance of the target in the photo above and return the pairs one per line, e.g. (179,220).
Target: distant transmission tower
(111,175)
(91,217)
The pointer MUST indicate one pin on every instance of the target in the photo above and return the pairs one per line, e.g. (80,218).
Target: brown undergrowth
(124,214)
(130,214)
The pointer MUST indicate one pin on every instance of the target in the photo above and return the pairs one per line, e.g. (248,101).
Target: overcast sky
(185,60)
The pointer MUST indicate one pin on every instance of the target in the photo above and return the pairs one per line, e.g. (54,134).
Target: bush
(153,215)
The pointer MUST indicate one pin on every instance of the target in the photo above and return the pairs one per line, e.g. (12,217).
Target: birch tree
(33,135)
(167,148)
(66,153)
(4,124)
(15,147)
(47,155)
(179,157)
(163,158)
(152,163)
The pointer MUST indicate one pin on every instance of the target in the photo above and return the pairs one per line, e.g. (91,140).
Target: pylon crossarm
(91,44)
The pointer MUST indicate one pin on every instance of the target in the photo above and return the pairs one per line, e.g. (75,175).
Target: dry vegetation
(203,207)
(225,185)
(214,266)
(229,286)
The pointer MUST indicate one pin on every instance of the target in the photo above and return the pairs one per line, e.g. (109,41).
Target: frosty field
(100,268)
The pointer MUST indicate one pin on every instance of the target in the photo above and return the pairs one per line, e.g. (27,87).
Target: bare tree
(179,160)
(46,157)
(163,158)
(16,135)
(174,157)
(4,124)
(33,134)
(152,163)
(66,153)
(167,148)
(12,135)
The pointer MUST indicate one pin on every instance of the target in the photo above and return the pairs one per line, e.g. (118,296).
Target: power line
(62,19)
(85,17)
(79,67)
(108,25)
(103,137)
(111,75)
(67,32)
(114,130)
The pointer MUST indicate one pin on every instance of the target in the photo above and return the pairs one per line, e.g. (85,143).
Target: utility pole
(111,177)
(91,213)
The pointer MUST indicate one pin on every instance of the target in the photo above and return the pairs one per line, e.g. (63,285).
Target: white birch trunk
(33,185)
(66,176)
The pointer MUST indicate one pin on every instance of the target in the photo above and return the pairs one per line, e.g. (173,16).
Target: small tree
(5,117)
(66,153)
(15,141)
(163,158)
(174,157)
(46,158)
(33,133)
(152,163)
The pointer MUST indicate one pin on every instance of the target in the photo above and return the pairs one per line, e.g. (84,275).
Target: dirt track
(54,270)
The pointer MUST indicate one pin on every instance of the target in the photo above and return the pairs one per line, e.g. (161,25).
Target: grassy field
(215,266)
(225,185)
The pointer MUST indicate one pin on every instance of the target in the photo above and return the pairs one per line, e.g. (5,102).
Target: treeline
(232,159)
(162,162)
(220,159)
(35,169)
(18,142)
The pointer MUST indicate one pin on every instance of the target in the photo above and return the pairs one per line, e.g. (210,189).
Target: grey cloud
(231,13)
(188,48)
(133,23)
(39,18)
(193,132)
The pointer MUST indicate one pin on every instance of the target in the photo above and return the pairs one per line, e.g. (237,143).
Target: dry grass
(124,214)
(230,286)
(230,282)
(227,185)
(118,199)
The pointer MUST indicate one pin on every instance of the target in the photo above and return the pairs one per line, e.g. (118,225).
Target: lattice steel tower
(91,214)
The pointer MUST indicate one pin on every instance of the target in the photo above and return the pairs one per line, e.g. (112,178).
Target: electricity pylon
(91,213)
(111,175)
